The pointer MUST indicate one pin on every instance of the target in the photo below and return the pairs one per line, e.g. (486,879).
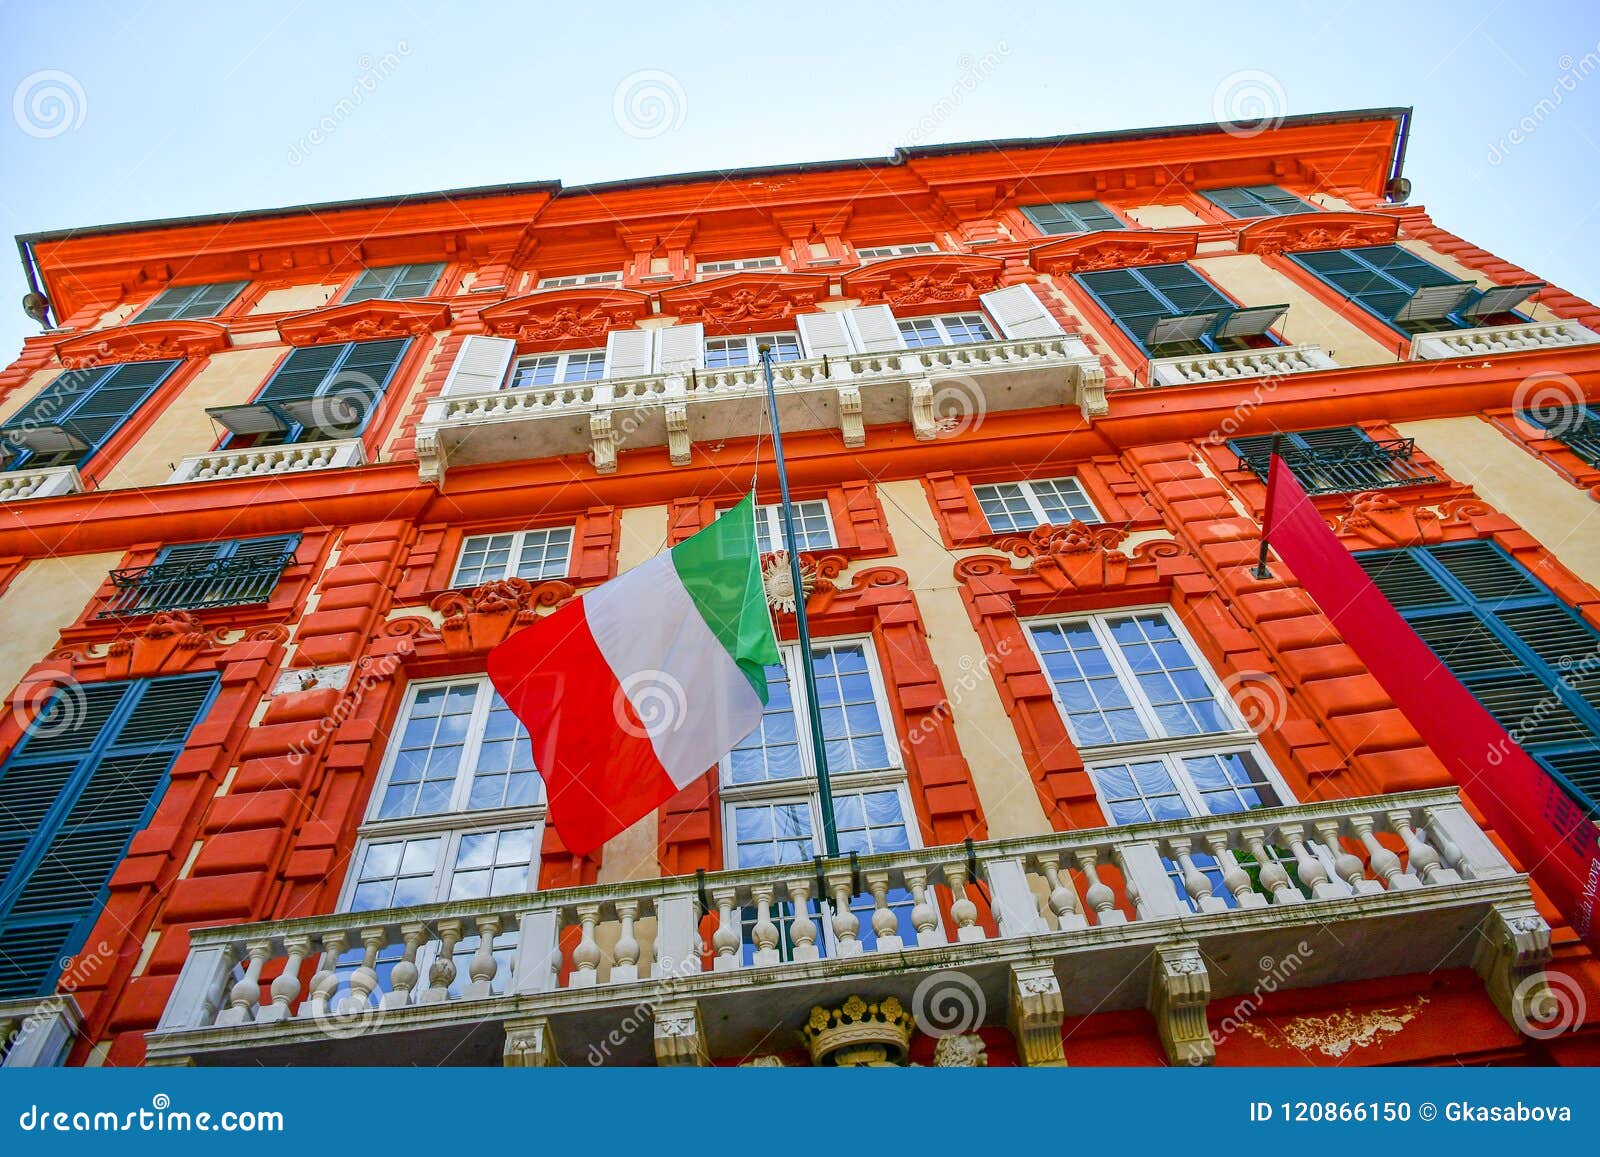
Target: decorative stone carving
(1111,249)
(1037,1011)
(1180,989)
(365,321)
(745,297)
(859,1034)
(922,279)
(1513,948)
(678,1039)
(573,314)
(150,341)
(530,1045)
(1317,230)
(962,1051)
(765,1061)
(476,620)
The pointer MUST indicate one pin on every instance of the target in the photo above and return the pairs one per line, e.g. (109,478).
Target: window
(1335,461)
(180,302)
(86,776)
(1526,656)
(394,282)
(813,526)
(1170,310)
(770,802)
(558,369)
(1578,427)
(77,413)
(196,575)
(1018,506)
(1257,201)
(318,393)
(949,329)
(739,263)
(526,554)
(879,252)
(727,352)
(1072,217)
(1407,293)
(609,277)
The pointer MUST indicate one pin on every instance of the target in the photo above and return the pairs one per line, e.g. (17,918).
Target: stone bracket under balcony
(257,461)
(45,482)
(937,390)
(1082,922)
(1270,362)
(1500,339)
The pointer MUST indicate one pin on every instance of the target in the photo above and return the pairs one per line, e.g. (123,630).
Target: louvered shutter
(873,329)
(300,374)
(1072,217)
(1486,572)
(92,404)
(1336,440)
(1019,313)
(373,283)
(1236,202)
(415,281)
(629,353)
(1183,286)
(824,334)
(1279,201)
(186,301)
(85,778)
(680,348)
(481,365)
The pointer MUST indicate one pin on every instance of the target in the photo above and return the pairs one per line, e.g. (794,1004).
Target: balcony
(1271,362)
(175,586)
(1500,339)
(45,482)
(935,389)
(1167,916)
(1375,465)
(260,460)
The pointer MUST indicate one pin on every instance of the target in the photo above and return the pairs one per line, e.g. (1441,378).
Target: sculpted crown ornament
(859,1034)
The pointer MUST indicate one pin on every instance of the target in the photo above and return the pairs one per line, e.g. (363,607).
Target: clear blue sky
(174,109)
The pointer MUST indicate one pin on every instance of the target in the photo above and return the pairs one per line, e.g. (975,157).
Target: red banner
(1544,828)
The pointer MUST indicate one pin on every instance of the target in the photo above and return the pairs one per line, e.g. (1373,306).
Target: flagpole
(830,834)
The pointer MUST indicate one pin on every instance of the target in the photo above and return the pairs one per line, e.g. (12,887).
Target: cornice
(364,321)
(1114,249)
(150,341)
(1322,230)
(923,278)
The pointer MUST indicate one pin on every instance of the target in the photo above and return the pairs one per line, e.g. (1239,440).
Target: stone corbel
(1091,382)
(850,421)
(604,443)
(1513,948)
(1180,989)
(1036,1014)
(924,424)
(430,458)
(678,1037)
(530,1044)
(678,433)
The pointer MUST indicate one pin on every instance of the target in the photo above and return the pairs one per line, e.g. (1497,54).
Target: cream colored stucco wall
(1164,216)
(414,386)
(48,595)
(295,298)
(26,392)
(231,377)
(1251,281)
(1561,516)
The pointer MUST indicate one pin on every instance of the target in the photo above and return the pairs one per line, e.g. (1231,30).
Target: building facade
(275,482)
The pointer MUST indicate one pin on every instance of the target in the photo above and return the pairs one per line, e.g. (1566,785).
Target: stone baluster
(846,925)
(404,975)
(626,951)
(726,940)
(1234,878)
(1063,900)
(1097,892)
(962,910)
(765,932)
(326,980)
(1274,878)
(1195,882)
(286,987)
(244,997)
(1347,867)
(885,924)
(442,972)
(1439,834)
(1312,873)
(924,912)
(586,956)
(364,980)
(1421,860)
(483,966)
(1385,864)
(802,929)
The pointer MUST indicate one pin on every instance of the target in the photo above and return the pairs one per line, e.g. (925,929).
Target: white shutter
(874,329)
(480,367)
(628,353)
(824,333)
(1018,312)
(680,348)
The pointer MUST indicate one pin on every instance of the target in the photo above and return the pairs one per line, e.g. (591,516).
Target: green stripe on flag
(721,571)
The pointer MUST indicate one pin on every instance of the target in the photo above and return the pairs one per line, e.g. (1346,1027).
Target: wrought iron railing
(184,586)
(1372,466)
(1580,433)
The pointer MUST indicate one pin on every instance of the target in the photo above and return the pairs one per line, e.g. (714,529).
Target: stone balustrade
(1352,889)
(255,461)
(45,482)
(1269,362)
(1500,339)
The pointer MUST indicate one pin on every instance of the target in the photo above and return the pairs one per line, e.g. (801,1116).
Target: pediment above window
(572,316)
(1306,231)
(153,341)
(746,298)
(1113,249)
(372,320)
(924,279)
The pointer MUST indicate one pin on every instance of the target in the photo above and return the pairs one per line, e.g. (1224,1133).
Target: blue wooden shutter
(90,403)
(1072,217)
(1138,298)
(358,371)
(85,778)
(394,282)
(1257,201)
(179,302)
(1379,278)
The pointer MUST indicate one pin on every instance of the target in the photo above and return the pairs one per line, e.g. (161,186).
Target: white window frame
(752,343)
(738,264)
(941,320)
(1035,507)
(568,281)
(1187,791)
(905,249)
(769,517)
(563,361)
(519,543)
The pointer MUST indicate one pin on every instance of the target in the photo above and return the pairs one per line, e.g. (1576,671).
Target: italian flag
(635,690)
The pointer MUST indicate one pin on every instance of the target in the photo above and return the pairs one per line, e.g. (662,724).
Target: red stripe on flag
(1557,844)
(600,772)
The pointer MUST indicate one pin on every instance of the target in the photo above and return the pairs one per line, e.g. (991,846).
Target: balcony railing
(1272,362)
(1500,339)
(1374,465)
(1356,888)
(170,586)
(259,460)
(935,389)
(45,482)
(1579,431)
